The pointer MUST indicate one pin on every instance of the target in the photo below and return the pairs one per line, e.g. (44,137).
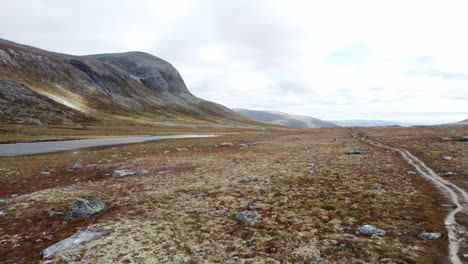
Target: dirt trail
(457,196)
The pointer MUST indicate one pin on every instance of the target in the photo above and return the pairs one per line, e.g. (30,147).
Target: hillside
(369,123)
(42,87)
(280,118)
(460,123)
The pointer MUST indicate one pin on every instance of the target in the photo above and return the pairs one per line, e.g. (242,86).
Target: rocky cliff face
(131,86)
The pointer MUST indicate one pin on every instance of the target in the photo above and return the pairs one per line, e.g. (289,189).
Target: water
(19,149)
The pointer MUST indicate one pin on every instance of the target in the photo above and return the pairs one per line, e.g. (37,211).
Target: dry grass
(166,218)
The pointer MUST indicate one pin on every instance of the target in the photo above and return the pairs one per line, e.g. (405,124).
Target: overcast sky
(393,60)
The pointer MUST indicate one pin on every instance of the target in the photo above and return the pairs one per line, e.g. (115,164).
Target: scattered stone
(122,173)
(248,217)
(243,145)
(411,172)
(376,187)
(252,207)
(181,149)
(370,230)
(3,201)
(167,151)
(450,174)
(250,142)
(44,173)
(311,168)
(79,238)
(445,138)
(200,253)
(201,195)
(85,208)
(226,144)
(429,236)
(357,151)
(76,153)
(77,166)
(447,158)
(54,213)
(70,258)
(464,138)
(250,179)
(2,213)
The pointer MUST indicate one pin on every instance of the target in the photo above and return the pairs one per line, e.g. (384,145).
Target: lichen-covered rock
(70,258)
(370,230)
(464,138)
(85,208)
(429,235)
(248,217)
(122,173)
(79,238)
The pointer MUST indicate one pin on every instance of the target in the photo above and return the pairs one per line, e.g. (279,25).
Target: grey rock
(370,230)
(44,173)
(79,238)
(243,145)
(450,174)
(77,166)
(2,213)
(70,258)
(429,235)
(85,208)
(464,138)
(376,187)
(250,179)
(357,151)
(122,173)
(3,201)
(447,158)
(142,171)
(200,253)
(54,213)
(181,149)
(252,207)
(248,217)
(226,144)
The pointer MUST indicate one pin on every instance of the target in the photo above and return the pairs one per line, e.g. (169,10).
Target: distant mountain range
(369,123)
(460,123)
(296,121)
(43,87)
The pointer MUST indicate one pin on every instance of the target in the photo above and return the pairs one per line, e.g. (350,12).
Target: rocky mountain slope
(38,87)
(460,123)
(280,118)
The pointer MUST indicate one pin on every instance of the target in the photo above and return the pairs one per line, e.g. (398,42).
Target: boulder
(85,208)
(357,151)
(429,235)
(248,217)
(370,230)
(79,238)
(464,138)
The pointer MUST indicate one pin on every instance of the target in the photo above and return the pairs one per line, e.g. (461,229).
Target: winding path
(457,196)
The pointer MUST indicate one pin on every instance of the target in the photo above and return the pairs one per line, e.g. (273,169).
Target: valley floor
(309,195)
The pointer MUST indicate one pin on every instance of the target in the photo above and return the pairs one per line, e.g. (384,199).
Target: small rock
(357,151)
(250,179)
(201,195)
(429,236)
(376,187)
(167,151)
(75,153)
(2,213)
(450,174)
(54,213)
(142,171)
(464,138)
(77,166)
(243,145)
(200,253)
(248,217)
(370,230)
(122,173)
(85,208)
(445,138)
(44,173)
(79,238)
(447,158)
(250,142)
(226,144)
(70,258)
(181,149)
(3,201)
(411,172)
(252,207)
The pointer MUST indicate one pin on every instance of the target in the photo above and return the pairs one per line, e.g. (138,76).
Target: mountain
(39,86)
(460,123)
(280,118)
(368,123)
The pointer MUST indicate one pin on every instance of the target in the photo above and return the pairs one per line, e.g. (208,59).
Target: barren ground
(308,215)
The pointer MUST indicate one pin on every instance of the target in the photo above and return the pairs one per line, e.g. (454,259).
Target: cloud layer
(330,59)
